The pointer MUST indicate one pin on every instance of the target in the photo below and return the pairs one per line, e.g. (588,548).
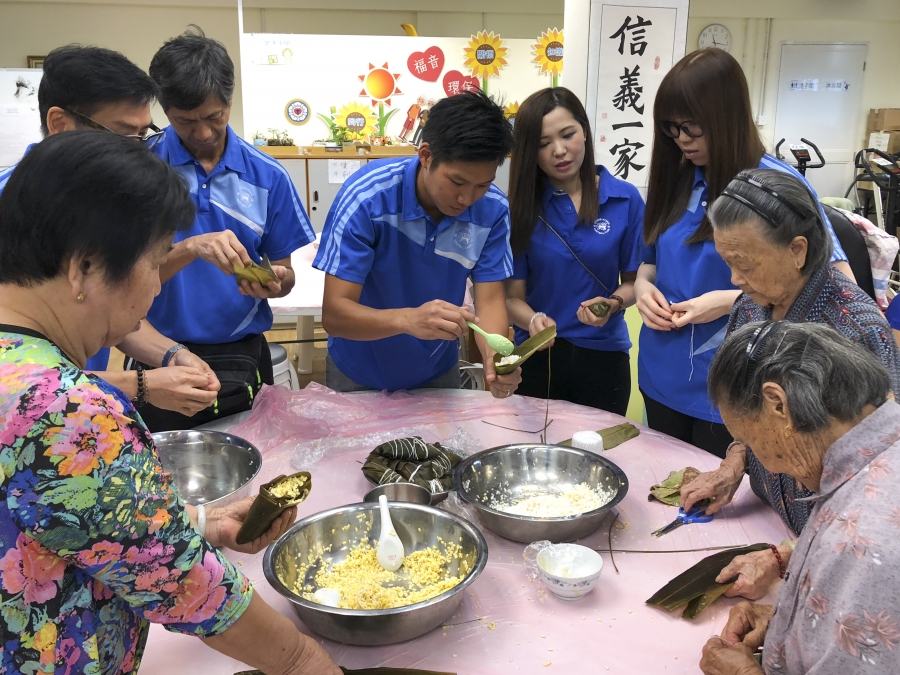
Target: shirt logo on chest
(602,226)
(245,197)
(463,237)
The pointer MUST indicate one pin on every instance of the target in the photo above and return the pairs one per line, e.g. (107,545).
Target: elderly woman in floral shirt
(95,540)
(818,407)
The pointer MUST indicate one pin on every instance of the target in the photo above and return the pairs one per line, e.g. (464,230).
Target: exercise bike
(886,181)
(801,154)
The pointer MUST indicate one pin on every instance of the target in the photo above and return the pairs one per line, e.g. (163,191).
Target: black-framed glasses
(674,129)
(754,349)
(149,138)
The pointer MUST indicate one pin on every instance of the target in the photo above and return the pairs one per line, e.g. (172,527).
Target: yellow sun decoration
(548,53)
(359,118)
(484,55)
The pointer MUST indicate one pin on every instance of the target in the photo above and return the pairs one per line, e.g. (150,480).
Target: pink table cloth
(506,623)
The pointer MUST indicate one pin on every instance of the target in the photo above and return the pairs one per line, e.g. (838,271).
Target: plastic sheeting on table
(505,623)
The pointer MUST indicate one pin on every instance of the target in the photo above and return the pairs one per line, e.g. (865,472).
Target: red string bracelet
(781,566)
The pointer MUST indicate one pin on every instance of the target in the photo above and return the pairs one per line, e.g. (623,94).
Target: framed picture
(36,61)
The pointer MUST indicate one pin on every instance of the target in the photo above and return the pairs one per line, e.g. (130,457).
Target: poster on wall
(379,87)
(635,45)
(20,120)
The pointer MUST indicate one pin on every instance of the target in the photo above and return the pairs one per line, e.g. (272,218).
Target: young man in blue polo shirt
(402,238)
(96,88)
(247,207)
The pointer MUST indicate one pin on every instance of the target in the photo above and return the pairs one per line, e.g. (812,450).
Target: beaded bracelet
(533,317)
(141,397)
(781,566)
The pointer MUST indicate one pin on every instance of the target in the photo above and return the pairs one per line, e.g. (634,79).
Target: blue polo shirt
(893,313)
(673,365)
(100,360)
(250,194)
(554,281)
(378,235)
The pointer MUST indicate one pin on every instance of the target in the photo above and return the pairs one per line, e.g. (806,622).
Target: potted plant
(259,139)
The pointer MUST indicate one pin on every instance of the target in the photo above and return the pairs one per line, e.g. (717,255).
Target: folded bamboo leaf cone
(274,497)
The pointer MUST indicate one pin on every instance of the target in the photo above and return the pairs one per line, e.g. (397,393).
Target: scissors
(695,515)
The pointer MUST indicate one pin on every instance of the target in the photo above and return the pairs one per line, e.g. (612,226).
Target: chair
(282,368)
(854,245)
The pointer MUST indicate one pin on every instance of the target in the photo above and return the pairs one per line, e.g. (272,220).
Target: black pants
(709,436)
(584,376)
(240,379)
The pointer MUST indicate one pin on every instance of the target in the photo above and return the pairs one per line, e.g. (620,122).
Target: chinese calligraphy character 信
(637,32)
(627,151)
(630,91)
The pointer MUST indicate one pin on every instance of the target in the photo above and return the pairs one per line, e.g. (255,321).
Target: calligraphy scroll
(637,46)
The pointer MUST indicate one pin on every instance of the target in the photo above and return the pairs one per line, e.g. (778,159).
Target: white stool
(282,368)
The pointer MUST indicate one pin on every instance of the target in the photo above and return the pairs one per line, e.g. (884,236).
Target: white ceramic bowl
(569,570)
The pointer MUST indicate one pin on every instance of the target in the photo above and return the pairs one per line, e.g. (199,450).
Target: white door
(819,98)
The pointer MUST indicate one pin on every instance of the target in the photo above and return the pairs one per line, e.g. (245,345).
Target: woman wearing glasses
(704,136)
(574,222)
(769,231)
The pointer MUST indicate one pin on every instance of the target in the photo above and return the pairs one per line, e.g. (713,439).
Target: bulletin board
(379,85)
(20,120)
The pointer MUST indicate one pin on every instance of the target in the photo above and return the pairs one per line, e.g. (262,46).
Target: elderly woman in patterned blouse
(95,540)
(768,230)
(818,407)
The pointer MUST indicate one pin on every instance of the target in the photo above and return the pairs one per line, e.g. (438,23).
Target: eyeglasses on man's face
(674,129)
(149,138)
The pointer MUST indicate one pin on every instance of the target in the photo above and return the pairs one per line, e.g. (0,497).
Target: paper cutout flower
(379,84)
(510,110)
(359,119)
(485,56)
(548,53)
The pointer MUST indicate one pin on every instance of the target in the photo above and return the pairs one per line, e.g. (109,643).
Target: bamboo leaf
(669,491)
(613,436)
(698,579)
(701,602)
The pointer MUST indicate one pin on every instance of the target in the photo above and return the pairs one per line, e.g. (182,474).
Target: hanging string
(691,376)
(547,409)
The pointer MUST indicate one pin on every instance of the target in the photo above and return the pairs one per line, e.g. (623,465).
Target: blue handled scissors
(696,515)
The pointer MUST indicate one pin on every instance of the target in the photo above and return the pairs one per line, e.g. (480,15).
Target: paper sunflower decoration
(548,53)
(358,118)
(510,111)
(379,84)
(484,56)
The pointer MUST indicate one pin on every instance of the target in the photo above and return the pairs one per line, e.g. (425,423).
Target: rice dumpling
(274,498)
(669,491)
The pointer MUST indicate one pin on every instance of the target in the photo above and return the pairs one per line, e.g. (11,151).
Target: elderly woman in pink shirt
(816,406)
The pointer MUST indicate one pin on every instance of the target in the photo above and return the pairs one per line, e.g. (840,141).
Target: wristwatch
(618,298)
(171,353)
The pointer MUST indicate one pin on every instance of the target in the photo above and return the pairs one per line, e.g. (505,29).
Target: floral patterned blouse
(95,542)
(832,299)
(838,611)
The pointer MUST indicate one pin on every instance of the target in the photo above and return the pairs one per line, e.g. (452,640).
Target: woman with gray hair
(818,407)
(769,231)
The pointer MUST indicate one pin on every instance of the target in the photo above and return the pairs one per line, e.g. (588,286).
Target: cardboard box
(886,141)
(886,119)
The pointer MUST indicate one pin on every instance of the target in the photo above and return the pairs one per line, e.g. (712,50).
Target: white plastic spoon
(328,596)
(390,549)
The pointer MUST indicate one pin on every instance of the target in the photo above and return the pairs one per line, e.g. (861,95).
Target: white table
(304,301)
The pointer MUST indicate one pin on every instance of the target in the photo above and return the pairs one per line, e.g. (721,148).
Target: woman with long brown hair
(576,243)
(704,136)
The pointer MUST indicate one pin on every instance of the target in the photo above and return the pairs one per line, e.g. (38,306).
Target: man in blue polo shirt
(402,238)
(247,207)
(96,88)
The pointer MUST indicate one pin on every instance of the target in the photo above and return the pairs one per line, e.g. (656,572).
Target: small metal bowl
(517,469)
(400,492)
(418,527)
(436,497)
(209,467)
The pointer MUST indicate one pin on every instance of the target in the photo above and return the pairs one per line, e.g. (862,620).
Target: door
(326,177)
(296,169)
(819,98)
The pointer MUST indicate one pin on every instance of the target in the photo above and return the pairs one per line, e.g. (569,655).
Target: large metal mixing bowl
(209,467)
(418,527)
(517,471)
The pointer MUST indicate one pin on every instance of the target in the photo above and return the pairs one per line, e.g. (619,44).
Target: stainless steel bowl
(436,497)
(400,492)
(515,470)
(418,526)
(209,467)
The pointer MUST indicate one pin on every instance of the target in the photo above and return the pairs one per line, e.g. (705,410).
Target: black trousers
(584,376)
(709,436)
(242,368)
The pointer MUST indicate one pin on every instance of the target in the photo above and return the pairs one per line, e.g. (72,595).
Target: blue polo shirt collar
(413,210)
(609,187)
(233,159)
(699,178)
